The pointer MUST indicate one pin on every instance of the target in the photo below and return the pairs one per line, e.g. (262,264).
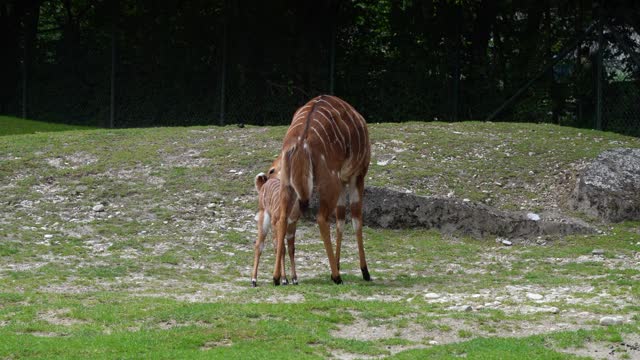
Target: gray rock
(597,252)
(461,308)
(431,296)
(609,188)
(98,208)
(534,296)
(533,216)
(611,320)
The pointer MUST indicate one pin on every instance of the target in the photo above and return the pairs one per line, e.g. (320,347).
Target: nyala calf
(268,188)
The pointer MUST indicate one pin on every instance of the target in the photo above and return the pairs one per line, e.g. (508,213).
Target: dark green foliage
(206,62)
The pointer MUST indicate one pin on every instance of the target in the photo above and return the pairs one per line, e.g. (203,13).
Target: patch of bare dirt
(629,348)
(215,344)
(446,330)
(191,158)
(72,161)
(59,317)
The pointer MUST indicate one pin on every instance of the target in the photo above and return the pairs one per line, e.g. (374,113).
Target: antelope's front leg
(258,248)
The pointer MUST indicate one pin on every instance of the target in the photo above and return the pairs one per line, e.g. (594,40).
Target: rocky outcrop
(391,209)
(385,208)
(609,188)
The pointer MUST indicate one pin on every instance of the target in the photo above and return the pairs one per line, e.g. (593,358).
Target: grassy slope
(16,126)
(163,271)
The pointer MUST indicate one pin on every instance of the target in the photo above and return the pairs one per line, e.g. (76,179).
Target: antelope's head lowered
(274,169)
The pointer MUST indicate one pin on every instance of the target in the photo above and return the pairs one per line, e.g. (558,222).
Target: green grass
(16,126)
(163,271)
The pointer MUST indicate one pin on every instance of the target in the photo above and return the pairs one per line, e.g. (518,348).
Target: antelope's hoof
(285,282)
(337,279)
(254,283)
(294,281)
(276,282)
(365,274)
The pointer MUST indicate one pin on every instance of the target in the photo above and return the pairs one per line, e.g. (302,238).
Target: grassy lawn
(162,268)
(15,126)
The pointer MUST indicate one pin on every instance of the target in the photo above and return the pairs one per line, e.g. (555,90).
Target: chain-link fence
(262,82)
(622,107)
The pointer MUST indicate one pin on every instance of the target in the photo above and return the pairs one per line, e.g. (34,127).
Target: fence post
(456,71)
(599,71)
(223,70)
(332,59)
(25,73)
(112,106)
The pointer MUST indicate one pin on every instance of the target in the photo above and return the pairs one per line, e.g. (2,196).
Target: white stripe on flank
(310,178)
(342,120)
(363,125)
(300,116)
(323,128)
(333,127)
(355,127)
(292,127)
(336,122)
(320,138)
(331,113)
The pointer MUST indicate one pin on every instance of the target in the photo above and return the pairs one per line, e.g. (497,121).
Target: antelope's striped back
(269,197)
(333,133)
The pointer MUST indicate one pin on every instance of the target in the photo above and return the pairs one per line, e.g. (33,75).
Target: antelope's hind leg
(356,191)
(340,216)
(291,239)
(327,206)
(286,204)
(285,281)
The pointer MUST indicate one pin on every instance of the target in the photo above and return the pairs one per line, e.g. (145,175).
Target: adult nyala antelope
(327,148)
(268,187)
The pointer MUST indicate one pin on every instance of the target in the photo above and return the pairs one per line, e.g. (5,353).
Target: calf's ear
(260,180)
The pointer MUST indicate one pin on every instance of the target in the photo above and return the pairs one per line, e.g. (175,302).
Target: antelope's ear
(260,180)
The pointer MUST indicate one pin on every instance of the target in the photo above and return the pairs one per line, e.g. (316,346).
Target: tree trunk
(10,18)
(486,15)
(32,15)
(112,105)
